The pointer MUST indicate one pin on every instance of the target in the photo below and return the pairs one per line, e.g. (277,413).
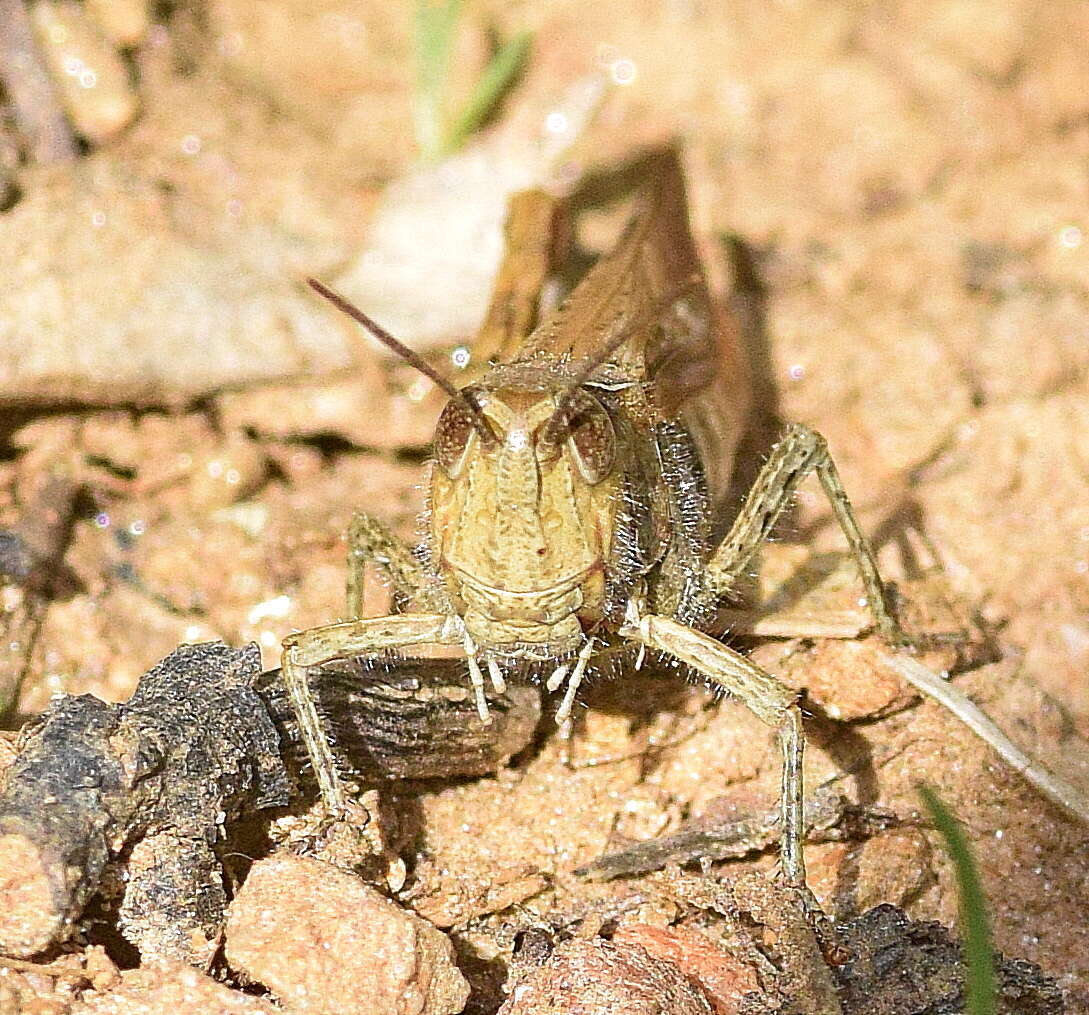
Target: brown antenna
(410,357)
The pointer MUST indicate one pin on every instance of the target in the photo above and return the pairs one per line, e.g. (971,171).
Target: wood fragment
(829,816)
(193,748)
(395,719)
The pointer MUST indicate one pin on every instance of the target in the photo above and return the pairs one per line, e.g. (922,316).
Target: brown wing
(651,287)
(537,242)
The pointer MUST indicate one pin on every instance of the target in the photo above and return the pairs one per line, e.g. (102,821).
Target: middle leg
(800,452)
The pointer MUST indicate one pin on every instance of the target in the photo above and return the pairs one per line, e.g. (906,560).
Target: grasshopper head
(524,495)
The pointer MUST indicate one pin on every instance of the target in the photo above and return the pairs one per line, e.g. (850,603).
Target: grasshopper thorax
(524,497)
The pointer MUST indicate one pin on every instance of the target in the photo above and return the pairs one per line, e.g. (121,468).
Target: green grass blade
(436,25)
(975,926)
(493,84)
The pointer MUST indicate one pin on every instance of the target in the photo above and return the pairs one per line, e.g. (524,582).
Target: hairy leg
(768,699)
(338,641)
(800,452)
(370,541)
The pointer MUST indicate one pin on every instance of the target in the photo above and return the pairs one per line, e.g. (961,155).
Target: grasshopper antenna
(410,357)
(558,420)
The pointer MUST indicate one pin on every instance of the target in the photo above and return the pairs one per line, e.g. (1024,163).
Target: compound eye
(591,439)
(453,435)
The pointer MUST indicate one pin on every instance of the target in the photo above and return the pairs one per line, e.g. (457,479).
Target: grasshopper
(573,488)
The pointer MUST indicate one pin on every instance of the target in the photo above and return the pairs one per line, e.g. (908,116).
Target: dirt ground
(892,198)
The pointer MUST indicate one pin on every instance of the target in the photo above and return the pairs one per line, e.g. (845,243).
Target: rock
(724,977)
(894,867)
(456,900)
(123,22)
(601,977)
(172,318)
(51,987)
(170,989)
(89,75)
(326,944)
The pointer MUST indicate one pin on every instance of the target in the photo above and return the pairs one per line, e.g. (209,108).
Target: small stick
(1061,793)
(38,112)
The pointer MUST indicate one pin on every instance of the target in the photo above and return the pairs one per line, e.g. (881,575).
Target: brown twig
(38,112)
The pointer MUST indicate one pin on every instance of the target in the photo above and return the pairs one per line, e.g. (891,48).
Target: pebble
(170,989)
(324,943)
(599,977)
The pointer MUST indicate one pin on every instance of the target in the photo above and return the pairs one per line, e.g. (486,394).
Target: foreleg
(340,641)
(768,699)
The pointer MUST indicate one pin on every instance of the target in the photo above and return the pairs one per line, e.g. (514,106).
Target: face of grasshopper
(522,515)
